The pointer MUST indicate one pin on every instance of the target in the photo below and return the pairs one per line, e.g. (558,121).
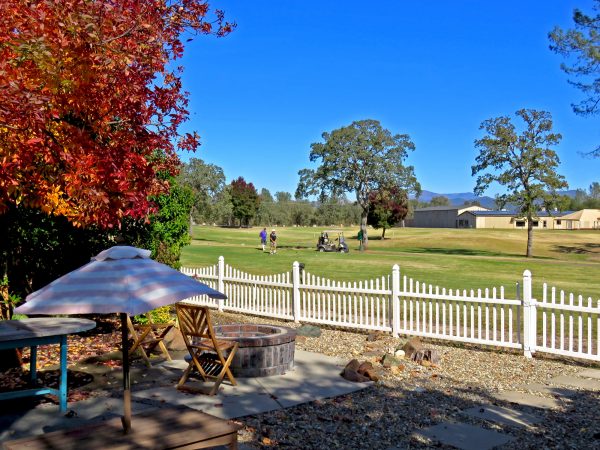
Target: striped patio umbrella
(121,280)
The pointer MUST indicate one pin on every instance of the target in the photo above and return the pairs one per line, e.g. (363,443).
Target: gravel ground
(414,397)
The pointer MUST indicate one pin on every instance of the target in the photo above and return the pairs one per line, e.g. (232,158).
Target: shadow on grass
(457,251)
(579,249)
(205,240)
(288,247)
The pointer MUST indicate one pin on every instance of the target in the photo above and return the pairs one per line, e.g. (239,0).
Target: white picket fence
(402,305)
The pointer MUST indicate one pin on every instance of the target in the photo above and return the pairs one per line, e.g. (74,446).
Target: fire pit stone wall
(263,350)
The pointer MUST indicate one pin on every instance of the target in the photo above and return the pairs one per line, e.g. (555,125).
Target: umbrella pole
(126,419)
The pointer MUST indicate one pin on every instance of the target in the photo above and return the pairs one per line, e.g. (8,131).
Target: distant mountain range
(459,199)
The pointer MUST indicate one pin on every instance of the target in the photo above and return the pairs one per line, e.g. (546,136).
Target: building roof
(558,215)
(449,208)
(438,208)
(583,214)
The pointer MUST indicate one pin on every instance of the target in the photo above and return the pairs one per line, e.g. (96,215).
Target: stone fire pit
(263,350)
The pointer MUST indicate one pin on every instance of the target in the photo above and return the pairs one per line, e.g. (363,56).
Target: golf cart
(327,244)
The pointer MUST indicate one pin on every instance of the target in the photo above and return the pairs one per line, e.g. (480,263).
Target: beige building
(506,219)
(441,216)
(567,220)
(480,217)
(584,219)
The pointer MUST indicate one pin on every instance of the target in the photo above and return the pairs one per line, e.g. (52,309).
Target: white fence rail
(569,326)
(558,324)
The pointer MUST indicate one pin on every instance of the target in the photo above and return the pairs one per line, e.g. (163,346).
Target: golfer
(273,241)
(263,238)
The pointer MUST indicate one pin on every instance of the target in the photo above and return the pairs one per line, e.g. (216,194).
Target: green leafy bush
(164,314)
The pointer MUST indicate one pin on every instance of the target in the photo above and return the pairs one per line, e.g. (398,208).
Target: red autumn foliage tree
(387,207)
(90,104)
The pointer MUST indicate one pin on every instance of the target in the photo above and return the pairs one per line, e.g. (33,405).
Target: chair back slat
(199,336)
(194,321)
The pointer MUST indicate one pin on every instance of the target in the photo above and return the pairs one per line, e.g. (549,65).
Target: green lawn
(451,258)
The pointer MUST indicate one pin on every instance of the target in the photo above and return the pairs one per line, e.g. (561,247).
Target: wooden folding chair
(149,335)
(206,351)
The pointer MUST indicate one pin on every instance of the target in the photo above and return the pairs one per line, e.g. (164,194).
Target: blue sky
(434,70)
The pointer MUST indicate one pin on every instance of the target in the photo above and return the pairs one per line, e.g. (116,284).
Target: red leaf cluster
(90,105)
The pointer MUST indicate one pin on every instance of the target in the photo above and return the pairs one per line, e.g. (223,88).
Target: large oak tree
(580,46)
(206,181)
(91,103)
(524,163)
(361,157)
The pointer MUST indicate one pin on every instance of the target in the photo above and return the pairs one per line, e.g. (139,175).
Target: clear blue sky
(434,70)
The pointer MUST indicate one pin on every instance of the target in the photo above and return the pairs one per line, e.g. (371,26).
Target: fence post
(296,291)
(529,317)
(220,282)
(395,300)
(519,297)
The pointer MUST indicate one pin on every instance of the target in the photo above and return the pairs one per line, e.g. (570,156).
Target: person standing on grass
(273,241)
(263,238)
(360,239)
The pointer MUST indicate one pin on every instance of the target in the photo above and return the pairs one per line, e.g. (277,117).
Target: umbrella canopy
(118,280)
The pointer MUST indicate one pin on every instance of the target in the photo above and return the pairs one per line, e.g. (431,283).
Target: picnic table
(41,331)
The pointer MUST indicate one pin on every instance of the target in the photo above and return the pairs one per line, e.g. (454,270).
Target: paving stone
(505,416)
(528,399)
(315,376)
(582,383)
(464,436)
(589,373)
(548,390)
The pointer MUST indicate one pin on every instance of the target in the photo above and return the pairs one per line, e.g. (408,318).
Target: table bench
(158,429)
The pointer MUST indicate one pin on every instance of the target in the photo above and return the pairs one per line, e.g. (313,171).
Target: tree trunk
(363,227)
(529,236)
(383,234)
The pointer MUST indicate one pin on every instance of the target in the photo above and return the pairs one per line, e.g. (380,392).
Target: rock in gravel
(399,353)
(375,336)
(174,340)
(412,346)
(397,369)
(351,375)
(366,368)
(350,372)
(389,361)
(308,331)
(354,364)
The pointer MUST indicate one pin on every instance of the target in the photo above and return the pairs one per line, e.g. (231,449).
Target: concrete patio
(315,376)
